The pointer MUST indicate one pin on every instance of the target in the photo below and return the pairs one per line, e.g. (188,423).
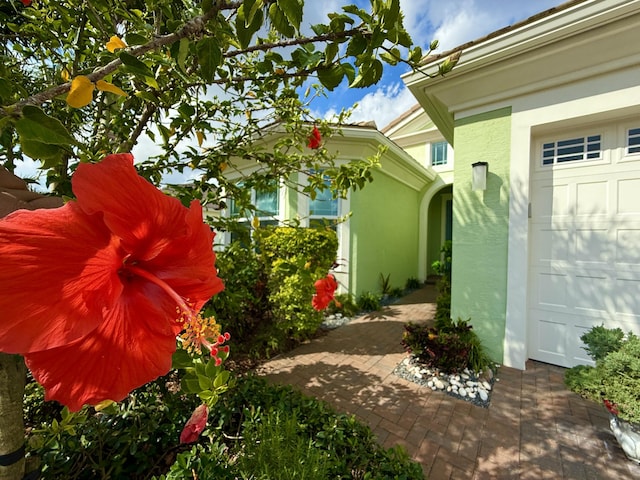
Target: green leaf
(221,379)
(331,76)
(134,66)
(135,39)
(204,382)
(279,21)
(330,53)
(211,370)
(38,126)
(181,359)
(357,45)
(369,74)
(391,57)
(190,385)
(247,25)
(181,54)
(292,9)
(209,57)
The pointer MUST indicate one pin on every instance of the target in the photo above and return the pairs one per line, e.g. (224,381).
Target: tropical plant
(369,302)
(448,346)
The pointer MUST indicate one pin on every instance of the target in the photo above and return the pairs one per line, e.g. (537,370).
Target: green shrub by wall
(269,285)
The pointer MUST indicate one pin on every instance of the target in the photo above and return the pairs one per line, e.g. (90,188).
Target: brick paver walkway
(534,428)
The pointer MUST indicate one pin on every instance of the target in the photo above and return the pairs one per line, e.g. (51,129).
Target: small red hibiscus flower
(195,425)
(26,3)
(325,290)
(94,293)
(612,407)
(315,139)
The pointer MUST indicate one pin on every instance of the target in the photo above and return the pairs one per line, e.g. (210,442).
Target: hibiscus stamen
(199,331)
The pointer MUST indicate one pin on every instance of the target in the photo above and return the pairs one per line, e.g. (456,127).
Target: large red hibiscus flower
(94,293)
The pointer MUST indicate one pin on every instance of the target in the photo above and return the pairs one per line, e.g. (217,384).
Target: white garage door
(585,239)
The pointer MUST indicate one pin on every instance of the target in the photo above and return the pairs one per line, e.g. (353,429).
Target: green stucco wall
(480,226)
(384,234)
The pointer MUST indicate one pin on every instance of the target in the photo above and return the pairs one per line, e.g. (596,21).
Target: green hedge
(266,303)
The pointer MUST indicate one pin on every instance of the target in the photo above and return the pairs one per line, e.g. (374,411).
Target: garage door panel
(553,244)
(590,293)
(628,192)
(627,298)
(554,201)
(552,290)
(592,246)
(592,199)
(627,248)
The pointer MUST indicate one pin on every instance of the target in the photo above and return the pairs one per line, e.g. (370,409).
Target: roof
(534,18)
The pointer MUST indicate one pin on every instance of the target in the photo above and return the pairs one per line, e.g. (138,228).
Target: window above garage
(633,141)
(572,149)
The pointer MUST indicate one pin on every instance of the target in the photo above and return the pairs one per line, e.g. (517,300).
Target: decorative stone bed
(469,386)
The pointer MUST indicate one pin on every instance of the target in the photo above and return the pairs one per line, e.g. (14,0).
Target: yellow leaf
(115,43)
(81,92)
(103,404)
(110,87)
(65,75)
(255,222)
(200,137)
(223,166)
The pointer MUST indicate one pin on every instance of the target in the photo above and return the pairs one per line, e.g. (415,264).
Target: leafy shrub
(276,446)
(272,431)
(266,304)
(369,302)
(616,375)
(134,441)
(449,346)
(240,307)
(412,284)
(584,380)
(600,341)
(396,292)
(619,373)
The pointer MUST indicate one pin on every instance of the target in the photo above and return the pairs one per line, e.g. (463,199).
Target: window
(323,209)
(267,203)
(571,150)
(439,153)
(633,141)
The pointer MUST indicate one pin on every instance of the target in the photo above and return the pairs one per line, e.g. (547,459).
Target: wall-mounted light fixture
(479,177)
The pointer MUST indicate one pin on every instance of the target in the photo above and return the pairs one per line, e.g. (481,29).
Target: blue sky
(451,22)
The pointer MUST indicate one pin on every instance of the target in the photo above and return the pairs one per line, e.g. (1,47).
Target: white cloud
(383,105)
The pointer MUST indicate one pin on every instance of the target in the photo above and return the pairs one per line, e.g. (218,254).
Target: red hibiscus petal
(188,263)
(58,270)
(136,211)
(315,139)
(132,347)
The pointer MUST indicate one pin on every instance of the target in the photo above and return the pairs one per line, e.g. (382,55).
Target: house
(380,234)
(551,247)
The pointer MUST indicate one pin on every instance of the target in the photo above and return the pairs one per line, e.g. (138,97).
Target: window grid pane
(571,150)
(267,203)
(439,153)
(633,141)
